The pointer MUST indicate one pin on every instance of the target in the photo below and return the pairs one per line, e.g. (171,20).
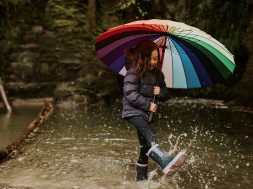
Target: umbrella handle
(151,113)
(150,116)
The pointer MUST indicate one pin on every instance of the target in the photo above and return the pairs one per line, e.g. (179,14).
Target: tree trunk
(92,15)
(2,91)
(155,6)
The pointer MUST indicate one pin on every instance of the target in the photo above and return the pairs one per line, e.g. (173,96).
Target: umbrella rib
(181,63)
(204,44)
(192,35)
(201,36)
(208,64)
(113,38)
(117,43)
(163,50)
(158,28)
(172,45)
(172,67)
(219,56)
(112,55)
(196,80)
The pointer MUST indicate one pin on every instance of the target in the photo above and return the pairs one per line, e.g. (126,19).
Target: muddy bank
(7,186)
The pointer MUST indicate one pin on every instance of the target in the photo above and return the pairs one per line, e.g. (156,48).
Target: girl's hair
(141,56)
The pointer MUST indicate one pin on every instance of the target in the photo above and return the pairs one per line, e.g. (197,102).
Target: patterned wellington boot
(167,163)
(141,171)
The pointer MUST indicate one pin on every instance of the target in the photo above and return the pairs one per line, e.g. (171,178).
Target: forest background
(47,46)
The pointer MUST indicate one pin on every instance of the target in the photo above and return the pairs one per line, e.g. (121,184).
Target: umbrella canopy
(191,58)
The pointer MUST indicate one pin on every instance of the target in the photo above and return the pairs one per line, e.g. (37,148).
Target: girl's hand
(153,107)
(157,90)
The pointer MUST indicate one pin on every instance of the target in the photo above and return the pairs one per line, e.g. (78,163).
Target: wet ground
(97,149)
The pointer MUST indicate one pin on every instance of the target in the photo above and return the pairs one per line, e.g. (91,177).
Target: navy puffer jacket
(138,92)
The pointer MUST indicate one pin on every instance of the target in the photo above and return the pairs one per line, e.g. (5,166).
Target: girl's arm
(131,92)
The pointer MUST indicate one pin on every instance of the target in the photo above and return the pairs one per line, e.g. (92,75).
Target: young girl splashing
(143,83)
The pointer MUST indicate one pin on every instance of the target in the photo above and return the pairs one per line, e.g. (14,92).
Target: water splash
(174,148)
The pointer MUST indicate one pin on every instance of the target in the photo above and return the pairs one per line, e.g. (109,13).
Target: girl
(143,83)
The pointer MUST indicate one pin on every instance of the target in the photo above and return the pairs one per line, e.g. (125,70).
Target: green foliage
(222,20)
(123,4)
(14,2)
(138,7)
(65,43)
(68,17)
(68,12)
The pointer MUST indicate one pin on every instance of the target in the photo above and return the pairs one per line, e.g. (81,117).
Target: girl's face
(154,59)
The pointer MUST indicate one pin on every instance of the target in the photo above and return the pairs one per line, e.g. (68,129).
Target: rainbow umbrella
(190,57)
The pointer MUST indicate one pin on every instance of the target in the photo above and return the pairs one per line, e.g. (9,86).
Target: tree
(92,15)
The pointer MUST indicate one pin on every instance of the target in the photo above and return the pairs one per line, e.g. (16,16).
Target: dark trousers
(146,136)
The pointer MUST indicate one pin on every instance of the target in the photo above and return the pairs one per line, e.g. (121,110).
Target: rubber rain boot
(141,171)
(167,163)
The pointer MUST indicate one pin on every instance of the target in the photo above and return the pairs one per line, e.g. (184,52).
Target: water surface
(13,124)
(97,149)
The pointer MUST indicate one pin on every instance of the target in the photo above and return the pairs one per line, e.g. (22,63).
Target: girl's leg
(146,136)
(142,163)
(167,163)
(143,127)
(144,147)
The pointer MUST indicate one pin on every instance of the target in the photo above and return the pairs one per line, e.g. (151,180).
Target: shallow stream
(13,124)
(97,149)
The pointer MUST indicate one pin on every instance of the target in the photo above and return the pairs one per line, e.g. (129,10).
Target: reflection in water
(97,149)
(13,124)
(5,119)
